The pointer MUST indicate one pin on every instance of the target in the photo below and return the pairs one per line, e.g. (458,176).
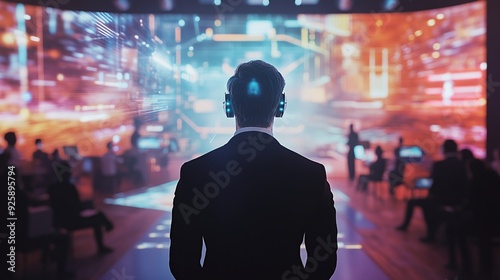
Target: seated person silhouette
(448,189)
(70,214)
(377,169)
(54,245)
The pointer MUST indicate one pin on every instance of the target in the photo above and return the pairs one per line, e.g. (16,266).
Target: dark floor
(370,248)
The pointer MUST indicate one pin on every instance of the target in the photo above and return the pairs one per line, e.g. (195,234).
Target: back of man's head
(450,146)
(255,90)
(10,138)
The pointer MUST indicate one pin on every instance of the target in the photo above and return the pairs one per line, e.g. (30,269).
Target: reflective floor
(149,258)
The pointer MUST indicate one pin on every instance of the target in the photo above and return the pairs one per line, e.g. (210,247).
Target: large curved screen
(80,78)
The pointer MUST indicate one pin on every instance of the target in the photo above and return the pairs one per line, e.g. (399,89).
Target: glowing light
(418,33)
(440,16)
(27,17)
(379,23)
(353,246)
(436,46)
(95,117)
(209,32)
(182,22)
(483,65)
(116,138)
(8,39)
(153,235)
(217,2)
(197,18)
(431,22)
(136,36)
(217,22)
(253,87)
(298,2)
(435,128)
(24,113)
(26,96)
(34,38)
(469,90)
(456,76)
(60,77)
(154,128)
(265,2)
(435,55)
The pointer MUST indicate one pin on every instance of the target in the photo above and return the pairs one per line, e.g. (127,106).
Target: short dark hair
(255,90)
(38,141)
(466,154)
(10,138)
(450,146)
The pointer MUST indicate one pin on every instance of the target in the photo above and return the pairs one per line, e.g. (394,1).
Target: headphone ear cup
(281,106)
(228,106)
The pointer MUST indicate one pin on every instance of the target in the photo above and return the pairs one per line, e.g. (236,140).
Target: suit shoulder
(202,159)
(302,160)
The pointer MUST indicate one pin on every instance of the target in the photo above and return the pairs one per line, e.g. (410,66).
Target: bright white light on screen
(265,2)
(298,2)
(259,27)
(435,128)
(483,66)
(217,2)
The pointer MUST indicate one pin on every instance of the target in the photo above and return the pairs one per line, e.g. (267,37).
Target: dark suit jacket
(449,182)
(253,202)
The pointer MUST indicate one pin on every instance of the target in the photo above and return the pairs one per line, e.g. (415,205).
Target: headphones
(228,106)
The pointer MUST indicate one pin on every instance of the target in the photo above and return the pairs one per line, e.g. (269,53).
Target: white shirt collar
(266,130)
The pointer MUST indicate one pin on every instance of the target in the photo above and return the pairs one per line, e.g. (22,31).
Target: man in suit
(253,201)
(448,190)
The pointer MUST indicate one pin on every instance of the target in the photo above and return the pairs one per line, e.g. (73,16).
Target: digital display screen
(149,143)
(423,183)
(80,78)
(359,152)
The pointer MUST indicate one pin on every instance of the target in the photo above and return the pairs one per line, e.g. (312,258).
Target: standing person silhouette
(252,201)
(352,141)
(396,175)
